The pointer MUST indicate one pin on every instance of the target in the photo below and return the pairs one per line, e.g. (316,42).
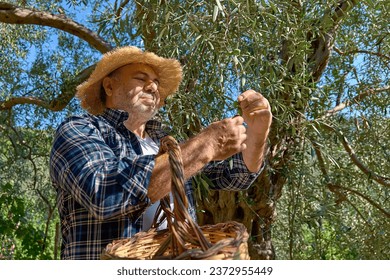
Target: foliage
(22,231)
(26,199)
(325,223)
(323,65)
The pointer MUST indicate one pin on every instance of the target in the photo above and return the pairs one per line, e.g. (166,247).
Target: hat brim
(168,70)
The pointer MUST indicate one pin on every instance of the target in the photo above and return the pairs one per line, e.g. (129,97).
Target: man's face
(135,90)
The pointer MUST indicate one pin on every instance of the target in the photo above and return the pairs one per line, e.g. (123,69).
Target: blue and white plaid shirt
(102,178)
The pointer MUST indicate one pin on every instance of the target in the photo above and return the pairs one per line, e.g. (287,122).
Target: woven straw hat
(169,72)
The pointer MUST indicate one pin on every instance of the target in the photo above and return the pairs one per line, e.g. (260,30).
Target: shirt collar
(115,117)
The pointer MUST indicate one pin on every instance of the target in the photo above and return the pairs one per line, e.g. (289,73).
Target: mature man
(104,165)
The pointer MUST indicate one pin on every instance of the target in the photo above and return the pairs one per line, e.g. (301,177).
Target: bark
(322,44)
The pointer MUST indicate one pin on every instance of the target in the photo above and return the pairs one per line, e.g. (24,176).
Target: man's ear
(107,85)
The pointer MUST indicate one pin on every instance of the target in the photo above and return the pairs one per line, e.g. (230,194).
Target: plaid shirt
(102,178)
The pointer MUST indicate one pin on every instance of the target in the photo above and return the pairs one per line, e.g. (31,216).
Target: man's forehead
(139,68)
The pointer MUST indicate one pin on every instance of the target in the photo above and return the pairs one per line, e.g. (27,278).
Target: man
(104,164)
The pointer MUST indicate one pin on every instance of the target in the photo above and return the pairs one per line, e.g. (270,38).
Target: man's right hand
(218,141)
(225,138)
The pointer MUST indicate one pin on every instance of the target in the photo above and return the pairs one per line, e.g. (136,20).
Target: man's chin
(146,111)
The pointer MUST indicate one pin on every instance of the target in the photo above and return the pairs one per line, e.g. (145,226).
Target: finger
(260,112)
(246,94)
(258,108)
(238,119)
(243,99)
(249,98)
(242,129)
(255,106)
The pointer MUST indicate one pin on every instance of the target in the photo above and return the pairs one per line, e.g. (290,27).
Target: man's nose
(150,86)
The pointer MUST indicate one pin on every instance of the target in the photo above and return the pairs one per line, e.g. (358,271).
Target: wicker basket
(183,238)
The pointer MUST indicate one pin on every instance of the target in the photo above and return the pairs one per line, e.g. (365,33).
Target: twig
(334,188)
(379,179)
(121,7)
(376,205)
(361,215)
(381,55)
(354,100)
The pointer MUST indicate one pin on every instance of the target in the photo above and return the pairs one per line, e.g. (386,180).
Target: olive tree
(323,66)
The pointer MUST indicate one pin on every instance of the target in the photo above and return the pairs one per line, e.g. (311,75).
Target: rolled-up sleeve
(86,167)
(230,174)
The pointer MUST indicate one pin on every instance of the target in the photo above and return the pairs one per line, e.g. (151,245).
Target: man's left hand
(256,112)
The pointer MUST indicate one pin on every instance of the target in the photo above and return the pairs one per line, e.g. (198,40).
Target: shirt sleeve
(83,165)
(230,174)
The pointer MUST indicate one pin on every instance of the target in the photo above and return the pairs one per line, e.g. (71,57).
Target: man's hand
(218,141)
(225,138)
(256,112)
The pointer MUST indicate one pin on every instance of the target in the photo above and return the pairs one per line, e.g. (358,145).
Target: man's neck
(137,127)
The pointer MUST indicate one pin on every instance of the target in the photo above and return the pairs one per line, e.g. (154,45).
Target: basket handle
(181,226)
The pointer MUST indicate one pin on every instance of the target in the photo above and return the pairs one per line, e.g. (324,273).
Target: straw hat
(169,72)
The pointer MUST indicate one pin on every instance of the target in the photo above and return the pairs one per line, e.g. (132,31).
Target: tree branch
(6,105)
(372,175)
(321,160)
(361,215)
(121,7)
(337,188)
(323,42)
(379,179)
(381,55)
(354,100)
(57,104)
(372,202)
(15,15)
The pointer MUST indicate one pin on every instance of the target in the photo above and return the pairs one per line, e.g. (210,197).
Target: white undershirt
(149,147)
